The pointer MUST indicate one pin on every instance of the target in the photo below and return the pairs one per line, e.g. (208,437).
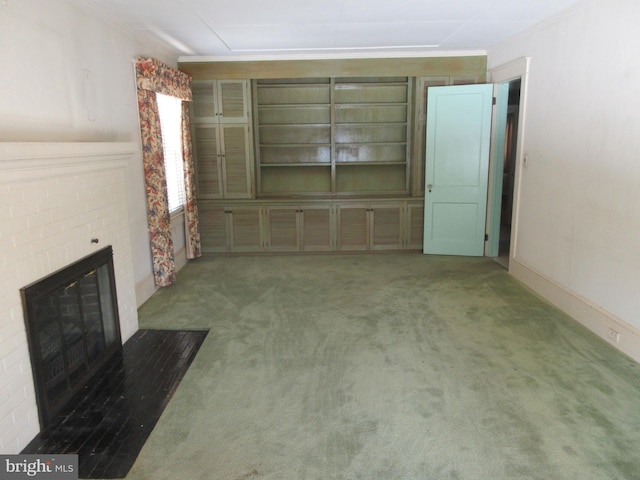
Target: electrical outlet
(613,335)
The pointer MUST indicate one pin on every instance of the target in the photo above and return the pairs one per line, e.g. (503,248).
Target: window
(170,109)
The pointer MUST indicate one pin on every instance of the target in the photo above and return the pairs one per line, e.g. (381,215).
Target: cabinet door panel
(387,226)
(317,231)
(233,101)
(203,106)
(213,227)
(282,224)
(353,228)
(245,229)
(415,226)
(209,168)
(237,161)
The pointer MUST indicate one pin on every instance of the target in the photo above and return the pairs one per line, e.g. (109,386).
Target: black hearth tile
(109,420)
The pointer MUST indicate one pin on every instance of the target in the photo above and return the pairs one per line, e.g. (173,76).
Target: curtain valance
(156,76)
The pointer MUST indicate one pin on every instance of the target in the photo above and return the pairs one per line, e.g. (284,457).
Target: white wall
(67,75)
(579,210)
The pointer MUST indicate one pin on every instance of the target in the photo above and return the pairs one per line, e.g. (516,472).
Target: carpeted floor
(386,367)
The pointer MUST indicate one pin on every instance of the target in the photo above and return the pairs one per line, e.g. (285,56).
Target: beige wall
(578,218)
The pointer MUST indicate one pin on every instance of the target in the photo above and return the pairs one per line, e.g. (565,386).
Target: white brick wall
(54,198)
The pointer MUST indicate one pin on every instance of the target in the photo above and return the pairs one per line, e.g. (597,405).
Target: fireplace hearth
(73,328)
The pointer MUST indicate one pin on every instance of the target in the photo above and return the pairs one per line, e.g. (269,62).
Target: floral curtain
(191,221)
(154,76)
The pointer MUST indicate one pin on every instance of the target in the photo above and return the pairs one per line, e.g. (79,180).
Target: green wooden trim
(369,67)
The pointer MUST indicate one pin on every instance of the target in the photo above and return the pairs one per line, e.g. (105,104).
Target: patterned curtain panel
(158,218)
(153,76)
(191,208)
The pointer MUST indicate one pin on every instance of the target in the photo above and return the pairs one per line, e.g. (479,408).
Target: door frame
(504,73)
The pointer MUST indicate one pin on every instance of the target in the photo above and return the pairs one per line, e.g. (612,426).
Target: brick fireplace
(59,202)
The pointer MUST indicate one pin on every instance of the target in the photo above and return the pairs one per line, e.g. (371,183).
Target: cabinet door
(203,108)
(244,228)
(387,225)
(237,161)
(220,101)
(317,228)
(232,101)
(282,228)
(208,161)
(415,226)
(213,227)
(353,227)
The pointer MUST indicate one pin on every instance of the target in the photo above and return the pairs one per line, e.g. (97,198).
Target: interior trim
(595,318)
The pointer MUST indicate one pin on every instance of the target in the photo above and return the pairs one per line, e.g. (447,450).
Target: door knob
(429,187)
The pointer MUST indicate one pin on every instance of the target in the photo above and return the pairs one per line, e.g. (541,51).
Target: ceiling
(286,28)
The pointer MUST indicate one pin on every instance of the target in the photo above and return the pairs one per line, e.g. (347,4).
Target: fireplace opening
(73,328)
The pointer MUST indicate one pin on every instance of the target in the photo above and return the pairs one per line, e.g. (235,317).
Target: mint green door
(456,171)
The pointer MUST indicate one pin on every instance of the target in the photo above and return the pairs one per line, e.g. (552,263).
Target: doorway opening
(508,174)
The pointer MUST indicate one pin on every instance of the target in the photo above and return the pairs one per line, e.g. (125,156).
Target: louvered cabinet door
(353,227)
(282,228)
(213,227)
(237,161)
(233,101)
(208,161)
(317,228)
(387,225)
(245,228)
(203,108)
(415,226)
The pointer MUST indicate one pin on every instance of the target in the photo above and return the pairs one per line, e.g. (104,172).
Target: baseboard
(180,257)
(146,287)
(595,318)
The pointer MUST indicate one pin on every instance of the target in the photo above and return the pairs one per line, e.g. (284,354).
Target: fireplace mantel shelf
(20,161)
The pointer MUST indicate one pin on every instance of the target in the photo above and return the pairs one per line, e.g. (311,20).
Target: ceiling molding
(331,56)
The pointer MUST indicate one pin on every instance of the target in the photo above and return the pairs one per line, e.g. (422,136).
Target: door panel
(213,227)
(317,232)
(237,160)
(415,225)
(245,229)
(457,162)
(353,228)
(282,224)
(209,167)
(387,225)
(233,101)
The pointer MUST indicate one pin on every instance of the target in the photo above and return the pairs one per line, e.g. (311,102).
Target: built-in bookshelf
(332,136)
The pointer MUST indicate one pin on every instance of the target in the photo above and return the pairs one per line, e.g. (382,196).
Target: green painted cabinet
(222,139)
(220,101)
(376,226)
(294,228)
(225,228)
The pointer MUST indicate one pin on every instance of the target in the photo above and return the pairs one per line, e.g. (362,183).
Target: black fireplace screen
(72,327)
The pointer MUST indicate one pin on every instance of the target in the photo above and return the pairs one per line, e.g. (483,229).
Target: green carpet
(398,366)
